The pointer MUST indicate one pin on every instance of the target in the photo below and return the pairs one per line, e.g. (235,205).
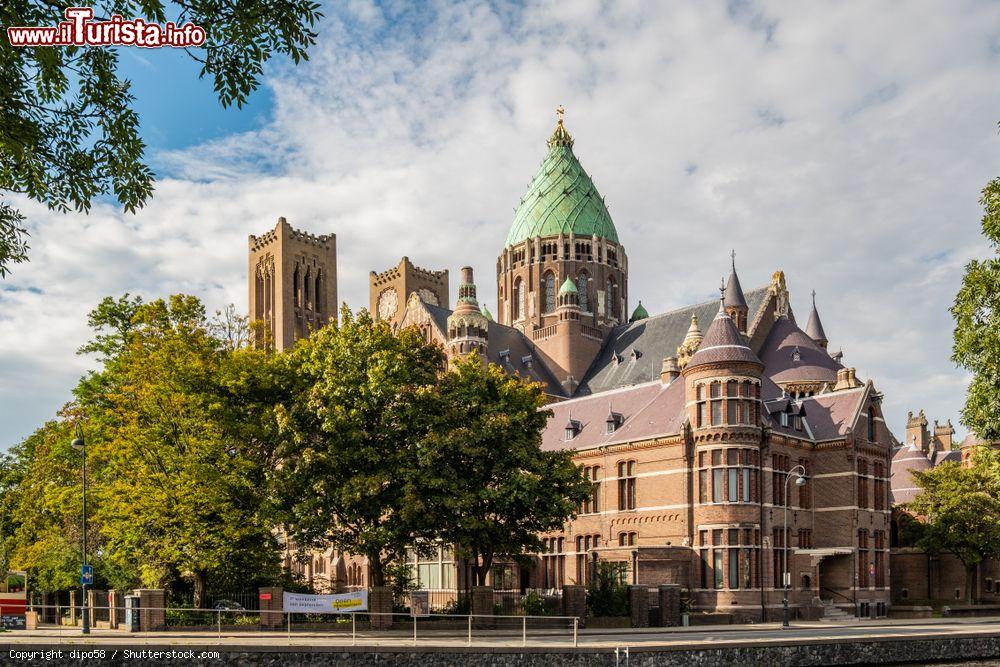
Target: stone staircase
(833,613)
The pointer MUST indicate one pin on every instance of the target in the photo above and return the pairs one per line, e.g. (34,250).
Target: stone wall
(846,652)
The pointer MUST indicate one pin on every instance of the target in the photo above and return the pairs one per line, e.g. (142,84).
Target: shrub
(607,594)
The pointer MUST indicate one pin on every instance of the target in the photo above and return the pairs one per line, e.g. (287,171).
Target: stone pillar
(380,606)
(270,601)
(670,605)
(638,602)
(482,606)
(574,599)
(91,603)
(72,608)
(114,602)
(152,609)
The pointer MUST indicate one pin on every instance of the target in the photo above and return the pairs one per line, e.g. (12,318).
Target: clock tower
(389,291)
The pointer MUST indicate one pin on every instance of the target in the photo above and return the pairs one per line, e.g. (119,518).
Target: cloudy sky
(845,143)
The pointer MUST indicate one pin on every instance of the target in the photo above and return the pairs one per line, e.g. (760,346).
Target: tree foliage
(959,508)
(487,486)
(68,132)
(176,423)
(361,403)
(977,326)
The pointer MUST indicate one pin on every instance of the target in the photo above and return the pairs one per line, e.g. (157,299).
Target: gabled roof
(656,337)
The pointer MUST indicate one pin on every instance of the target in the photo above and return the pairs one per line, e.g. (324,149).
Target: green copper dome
(561,198)
(639,313)
(568,287)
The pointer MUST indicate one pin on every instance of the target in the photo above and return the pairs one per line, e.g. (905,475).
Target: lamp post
(799,472)
(80,445)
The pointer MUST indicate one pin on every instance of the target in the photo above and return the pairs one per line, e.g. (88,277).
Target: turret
(468,328)
(734,300)
(814,329)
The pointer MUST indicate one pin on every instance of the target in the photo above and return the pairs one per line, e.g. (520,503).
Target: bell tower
(292,282)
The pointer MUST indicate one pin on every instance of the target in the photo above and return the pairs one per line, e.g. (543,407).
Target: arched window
(297,287)
(549,285)
(581,288)
(517,303)
(871,424)
(318,296)
(611,309)
(307,288)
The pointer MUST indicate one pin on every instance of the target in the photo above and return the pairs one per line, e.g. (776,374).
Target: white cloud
(845,143)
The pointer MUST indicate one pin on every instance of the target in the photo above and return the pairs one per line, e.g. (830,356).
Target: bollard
(414,630)
(354,629)
(576,626)
(470,630)
(524,631)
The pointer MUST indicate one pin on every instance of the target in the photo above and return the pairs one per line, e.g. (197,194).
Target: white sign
(340,603)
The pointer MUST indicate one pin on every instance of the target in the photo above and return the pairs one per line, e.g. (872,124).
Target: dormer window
(635,354)
(573,428)
(613,422)
(797,422)
(796,354)
(783,419)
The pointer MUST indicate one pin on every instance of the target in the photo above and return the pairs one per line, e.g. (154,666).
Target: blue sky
(844,143)
(178,109)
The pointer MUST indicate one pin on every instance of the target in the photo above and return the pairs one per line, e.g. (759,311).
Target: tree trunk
(199,589)
(484,569)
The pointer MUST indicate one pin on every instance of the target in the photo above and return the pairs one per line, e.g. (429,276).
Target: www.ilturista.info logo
(79,29)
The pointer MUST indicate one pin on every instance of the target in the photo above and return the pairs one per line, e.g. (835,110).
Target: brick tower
(292,284)
(562,231)
(389,290)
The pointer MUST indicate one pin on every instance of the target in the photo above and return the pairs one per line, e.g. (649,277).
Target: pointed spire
(560,137)
(814,329)
(693,334)
(733,296)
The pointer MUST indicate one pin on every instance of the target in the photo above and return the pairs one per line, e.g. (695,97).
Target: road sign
(86,574)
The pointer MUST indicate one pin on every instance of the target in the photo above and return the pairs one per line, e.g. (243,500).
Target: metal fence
(350,628)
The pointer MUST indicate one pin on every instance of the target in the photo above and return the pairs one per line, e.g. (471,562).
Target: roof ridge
(690,306)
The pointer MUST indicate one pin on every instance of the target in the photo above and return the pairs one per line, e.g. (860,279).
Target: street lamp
(799,472)
(80,445)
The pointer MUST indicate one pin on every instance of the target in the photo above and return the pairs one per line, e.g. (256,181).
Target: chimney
(670,370)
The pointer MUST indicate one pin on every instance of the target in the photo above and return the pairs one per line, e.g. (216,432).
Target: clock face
(388,303)
(428,296)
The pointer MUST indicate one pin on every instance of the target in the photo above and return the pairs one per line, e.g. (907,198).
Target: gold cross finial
(559,114)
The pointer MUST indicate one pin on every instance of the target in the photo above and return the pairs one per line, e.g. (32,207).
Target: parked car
(228,605)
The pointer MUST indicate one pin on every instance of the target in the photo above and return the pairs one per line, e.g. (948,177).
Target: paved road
(537,638)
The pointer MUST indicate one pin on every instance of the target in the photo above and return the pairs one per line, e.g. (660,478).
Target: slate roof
(508,348)
(734,292)
(648,410)
(814,328)
(722,342)
(778,355)
(836,414)
(655,338)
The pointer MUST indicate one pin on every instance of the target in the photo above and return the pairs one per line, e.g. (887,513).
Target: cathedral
(730,451)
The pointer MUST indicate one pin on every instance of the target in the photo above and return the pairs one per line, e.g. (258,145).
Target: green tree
(182,485)
(361,404)
(487,486)
(959,507)
(977,326)
(68,132)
